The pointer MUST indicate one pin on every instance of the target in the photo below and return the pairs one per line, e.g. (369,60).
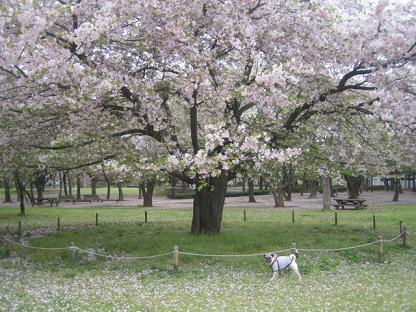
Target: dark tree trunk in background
(288,193)
(386,184)
(396,188)
(140,193)
(244,185)
(371,184)
(326,186)
(302,188)
(31,192)
(78,188)
(64,181)
(251,198)
(332,189)
(312,189)
(7,192)
(287,182)
(94,182)
(40,180)
(21,191)
(60,184)
(120,191)
(261,183)
(69,184)
(354,184)
(208,205)
(17,190)
(147,191)
(366,183)
(414,183)
(39,193)
(107,180)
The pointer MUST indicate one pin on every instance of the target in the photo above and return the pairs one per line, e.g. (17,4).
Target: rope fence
(175,252)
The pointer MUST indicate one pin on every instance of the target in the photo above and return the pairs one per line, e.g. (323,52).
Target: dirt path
(298,202)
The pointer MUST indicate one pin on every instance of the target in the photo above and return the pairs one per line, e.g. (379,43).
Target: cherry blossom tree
(216,83)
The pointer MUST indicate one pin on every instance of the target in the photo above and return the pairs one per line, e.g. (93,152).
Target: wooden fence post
(293,248)
(145,216)
(245,218)
(7,245)
(380,248)
(72,250)
(59,224)
(404,234)
(19,229)
(96,219)
(293,216)
(175,257)
(374,221)
(336,218)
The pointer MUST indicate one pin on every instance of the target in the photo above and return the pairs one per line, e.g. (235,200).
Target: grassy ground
(354,280)
(101,191)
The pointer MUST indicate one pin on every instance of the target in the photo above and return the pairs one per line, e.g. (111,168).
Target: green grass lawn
(353,280)
(101,191)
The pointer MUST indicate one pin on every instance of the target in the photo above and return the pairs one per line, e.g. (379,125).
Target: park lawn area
(101,191)
(354,280)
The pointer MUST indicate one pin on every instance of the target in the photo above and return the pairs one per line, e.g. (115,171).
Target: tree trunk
(386,184)
(21,191)
(396,188)
(17,190)
(288,192)
(326,182)
(40,180)
(313,189)
(94,181)
(39,192)
(65,185)
(353,184)
(32,193)
(278,196)
(7,192)
(107,180)
(69,184)
(332,190)
(366,183)
(120,191)
(244,184)
(302,188)
(414,183)
(147,191)
(208,205)
(140,193)
(261,183)
(78,188)
(251,198)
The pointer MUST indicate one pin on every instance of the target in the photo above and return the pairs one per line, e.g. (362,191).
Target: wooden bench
(91,198)
(350,203)
(66,198)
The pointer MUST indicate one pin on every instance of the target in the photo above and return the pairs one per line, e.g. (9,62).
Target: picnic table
(350,203)
(51,200)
